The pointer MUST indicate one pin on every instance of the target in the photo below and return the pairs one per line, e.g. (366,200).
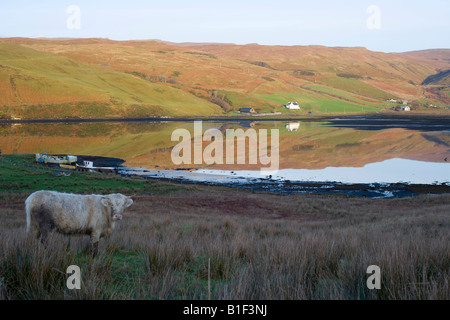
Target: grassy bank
(260,246)
(19,174)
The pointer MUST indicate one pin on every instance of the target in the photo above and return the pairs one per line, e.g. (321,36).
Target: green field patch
(240,100)
(314,102)
(358,87)
(337,106)
(344,94)
(19,173)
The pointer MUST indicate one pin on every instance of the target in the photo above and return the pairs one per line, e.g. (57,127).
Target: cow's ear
(129,202)
(105,202)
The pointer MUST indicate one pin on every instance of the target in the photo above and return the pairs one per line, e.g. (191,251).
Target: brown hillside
(324,79)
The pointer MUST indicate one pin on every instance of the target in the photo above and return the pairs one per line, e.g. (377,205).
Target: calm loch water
(353,150)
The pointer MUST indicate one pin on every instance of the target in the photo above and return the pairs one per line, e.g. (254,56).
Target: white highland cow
(68,213)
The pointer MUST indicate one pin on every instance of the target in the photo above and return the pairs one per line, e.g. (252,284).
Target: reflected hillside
(303,145)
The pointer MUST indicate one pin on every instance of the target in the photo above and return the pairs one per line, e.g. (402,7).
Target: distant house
(405,102)
(292,106)
(247,110)
(391,100)
(406,108)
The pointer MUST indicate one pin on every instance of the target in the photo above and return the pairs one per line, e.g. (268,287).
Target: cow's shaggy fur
(68,213)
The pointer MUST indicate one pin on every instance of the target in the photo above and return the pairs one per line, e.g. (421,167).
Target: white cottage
(292,106)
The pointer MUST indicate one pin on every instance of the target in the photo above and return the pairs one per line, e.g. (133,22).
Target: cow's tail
(28,212)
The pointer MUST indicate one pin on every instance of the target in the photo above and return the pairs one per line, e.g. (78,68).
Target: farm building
(292,106)
(406,108)
(247,110)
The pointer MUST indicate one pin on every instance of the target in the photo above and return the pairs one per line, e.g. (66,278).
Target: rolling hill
(99,77)
(36,84)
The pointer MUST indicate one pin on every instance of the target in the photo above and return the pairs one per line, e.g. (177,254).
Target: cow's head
(117,203)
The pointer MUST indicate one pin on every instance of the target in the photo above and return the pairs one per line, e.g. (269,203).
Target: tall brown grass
(260,247)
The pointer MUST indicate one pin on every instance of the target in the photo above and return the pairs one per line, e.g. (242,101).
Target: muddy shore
(370,190)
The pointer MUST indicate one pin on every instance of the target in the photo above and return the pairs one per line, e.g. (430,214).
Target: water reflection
(292,126)
(308,145)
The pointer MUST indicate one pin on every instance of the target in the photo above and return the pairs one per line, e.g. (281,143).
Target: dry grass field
(260,246)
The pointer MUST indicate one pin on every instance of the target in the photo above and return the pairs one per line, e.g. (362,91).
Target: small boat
(89,166)
(55,159)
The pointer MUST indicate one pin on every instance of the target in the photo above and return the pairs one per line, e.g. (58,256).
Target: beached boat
(56,159)
(89,166)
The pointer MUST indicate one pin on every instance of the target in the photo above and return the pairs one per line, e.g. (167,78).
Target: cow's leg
(44,221)
(94,248)
(43,235)
(95,237)
(38,233)
(34,230)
